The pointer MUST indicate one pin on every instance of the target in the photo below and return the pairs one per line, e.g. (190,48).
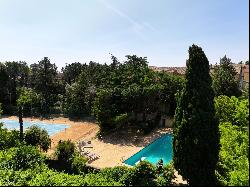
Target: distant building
(243,77)
(242,72)
(171,70)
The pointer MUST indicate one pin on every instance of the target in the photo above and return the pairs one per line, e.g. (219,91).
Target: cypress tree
(196,130)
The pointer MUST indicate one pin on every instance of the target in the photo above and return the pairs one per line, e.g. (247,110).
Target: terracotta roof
(181,70)
(178,70)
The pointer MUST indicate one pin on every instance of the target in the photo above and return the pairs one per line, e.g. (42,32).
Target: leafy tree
(37,137)
(18,76)
(73,104)
(233,165)
(30,100)
(232,110)
(224,79)
(3,84)
(44,80)
(196,131)
(72,71)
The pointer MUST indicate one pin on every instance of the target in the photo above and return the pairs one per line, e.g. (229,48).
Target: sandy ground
(112,149)
(76,131)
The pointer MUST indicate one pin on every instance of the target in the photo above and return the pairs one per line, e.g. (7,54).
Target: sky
(70,31)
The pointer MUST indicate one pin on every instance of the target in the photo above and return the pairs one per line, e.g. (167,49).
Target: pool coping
(167,133)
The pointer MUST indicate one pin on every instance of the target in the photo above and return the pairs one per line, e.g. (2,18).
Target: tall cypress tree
(196,130)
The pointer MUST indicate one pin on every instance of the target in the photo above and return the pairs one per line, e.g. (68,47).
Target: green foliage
(245,92)
(224,79)
(36,136)
(65,151)
(233,165)
(196,131)
(232,110)
(78,165)
(73,104)
(72,71)
(22,157)
(8,139)
(53,178)
(39,176)
(43,79)
(1,110)
(135,90)
(166,176)
(143,174)
(29,100)
(100,180)
(120,119)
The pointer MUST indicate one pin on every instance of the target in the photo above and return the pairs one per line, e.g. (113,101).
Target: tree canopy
(224,79)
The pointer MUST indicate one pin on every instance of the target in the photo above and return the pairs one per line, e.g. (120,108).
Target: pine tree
(196,131)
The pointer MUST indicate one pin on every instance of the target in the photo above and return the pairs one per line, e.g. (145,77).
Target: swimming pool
(50,128)
(159,149)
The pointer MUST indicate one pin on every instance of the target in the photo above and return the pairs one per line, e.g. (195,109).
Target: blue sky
(82,30)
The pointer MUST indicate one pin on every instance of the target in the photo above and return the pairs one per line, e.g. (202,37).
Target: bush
(39,176)
(78,165)
(166,176)
(120,120)
(143,174)
(8,139)
(100,179)
(49,177)
(65,151)
(116,173)
(37,137)
(22,157)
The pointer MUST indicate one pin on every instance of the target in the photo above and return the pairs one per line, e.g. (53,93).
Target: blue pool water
(50,128)
(160,148)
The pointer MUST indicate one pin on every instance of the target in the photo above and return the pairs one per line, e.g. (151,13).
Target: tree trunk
(20,112)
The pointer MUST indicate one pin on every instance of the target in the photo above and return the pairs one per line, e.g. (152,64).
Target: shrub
(49,177)
(39,176)
(100,179)
(37,137)
(116,173)
(78,165)
(65,153)
(8,139)
(166,176)
(22,157)
(120,120)
(143,174)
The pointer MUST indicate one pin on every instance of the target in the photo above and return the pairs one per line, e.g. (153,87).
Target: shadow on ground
(133,137)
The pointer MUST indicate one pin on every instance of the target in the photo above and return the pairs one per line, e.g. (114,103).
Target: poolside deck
(112,149)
